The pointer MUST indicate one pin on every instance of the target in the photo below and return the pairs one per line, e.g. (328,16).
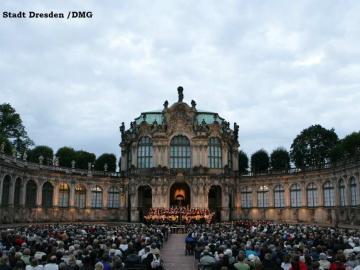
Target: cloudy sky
(274,67)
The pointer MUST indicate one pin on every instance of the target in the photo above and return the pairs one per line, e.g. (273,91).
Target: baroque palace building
(177,156)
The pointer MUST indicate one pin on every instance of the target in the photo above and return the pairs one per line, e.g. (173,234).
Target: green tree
(243,162)
(66,155)
(41,150)
(12,128)
(348,147)
(109,159)
(280,159)
(82,159)
(7,145)
(259,161)
(351,144)
(312,147)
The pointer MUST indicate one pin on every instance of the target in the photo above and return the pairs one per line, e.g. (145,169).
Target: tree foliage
(66,155)
(348,147)
(312,147)
(109,159)
(12,128)
(243,162)
(82,159)
(280,159)
(41,150)
(259,161)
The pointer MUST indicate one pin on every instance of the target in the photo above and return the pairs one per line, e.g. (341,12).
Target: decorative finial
(25,156)
(193,104)
(180,90)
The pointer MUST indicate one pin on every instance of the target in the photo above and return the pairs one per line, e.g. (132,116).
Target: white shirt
(39,267)
(51,266)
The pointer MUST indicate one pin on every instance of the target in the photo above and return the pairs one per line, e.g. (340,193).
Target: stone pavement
(173,254)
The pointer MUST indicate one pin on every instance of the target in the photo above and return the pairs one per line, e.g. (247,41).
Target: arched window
(6,190)
(113,198)
(47,195)
(279,196)
(329,198)
(263,196)
(96,197)
(246,198)
(180,152)
(64,194)
(342,197)
(311,195)
(80,196)
(30,197)
(295,195)
(214,153)
(128,156)
(354,192)
(145,153)
(17,192)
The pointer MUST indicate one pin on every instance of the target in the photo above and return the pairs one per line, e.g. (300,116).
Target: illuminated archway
(180,195)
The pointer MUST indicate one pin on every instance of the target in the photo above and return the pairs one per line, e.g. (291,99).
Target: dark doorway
(180,195)
(144,200)
(214,201)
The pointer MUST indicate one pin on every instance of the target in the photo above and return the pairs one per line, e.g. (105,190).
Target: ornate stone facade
(177,156)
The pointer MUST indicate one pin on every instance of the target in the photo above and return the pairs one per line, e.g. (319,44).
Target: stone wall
(15,175)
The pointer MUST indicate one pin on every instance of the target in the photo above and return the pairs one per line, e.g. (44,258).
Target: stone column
(56,195)
(156,155)
(303,194)
(235,160)
(2,175)
(166,156)
(271,196)
(206,161)
(23,193)
(238,196)
(224,155)
(88,196)
(12,192)
(254,196)
(134,155)
(72,195)
(287,195)
(347,191)
(320,193)
(39,195)
(105,197)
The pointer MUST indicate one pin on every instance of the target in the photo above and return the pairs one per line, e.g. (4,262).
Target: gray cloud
(273,67)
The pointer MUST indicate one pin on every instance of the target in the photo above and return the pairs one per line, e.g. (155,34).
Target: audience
(82,247)
(264,245)
(242,245)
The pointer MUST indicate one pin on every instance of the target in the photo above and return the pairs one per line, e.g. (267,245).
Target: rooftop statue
(193,104)
(122,128)
(166,104)
(180,90)
(236,131)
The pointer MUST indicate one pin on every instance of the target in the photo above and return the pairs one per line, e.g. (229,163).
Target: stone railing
(20,163)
